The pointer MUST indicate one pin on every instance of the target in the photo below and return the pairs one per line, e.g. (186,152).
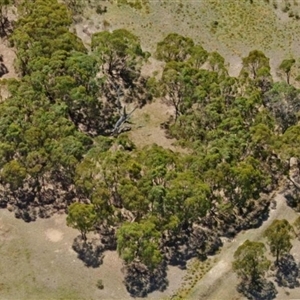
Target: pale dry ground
(146,126)
(8,60)
(38,263)
(220,282)
(9,56)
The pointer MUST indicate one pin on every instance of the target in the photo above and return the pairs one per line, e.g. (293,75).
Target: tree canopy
(279,235)
(250,261)
(62,147)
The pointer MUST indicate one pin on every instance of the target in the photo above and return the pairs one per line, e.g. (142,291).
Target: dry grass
(231,27)
(38,263)
(146,125)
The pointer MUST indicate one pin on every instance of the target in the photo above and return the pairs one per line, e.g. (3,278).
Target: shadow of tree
(191,242)
(3,69)
(287,272)
(90,252)
(263,290)
(140,281)
(6,26)
(108,237)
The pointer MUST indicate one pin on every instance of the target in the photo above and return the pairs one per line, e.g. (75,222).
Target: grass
(231,27)
(196,269)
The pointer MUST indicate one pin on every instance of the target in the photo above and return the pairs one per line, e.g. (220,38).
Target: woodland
(64,146)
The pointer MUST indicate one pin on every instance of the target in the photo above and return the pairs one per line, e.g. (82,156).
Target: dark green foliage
(119,53)
(283,102)
(279,235)
(175,48)
(13,173)
(139,241)
(250,261)
(82,217)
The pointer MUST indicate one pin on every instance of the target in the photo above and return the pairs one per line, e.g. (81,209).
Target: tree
(120,57)
(283,101)
(246,181)
(250,261)
(187,197)
(279,235)
(13,173)
(255,63)
(286,67)
(174,47)
(76,6)
(119,53)
(178,84)
(217,63)
(198,56)
(297,226)
(139,241)
(174,86)
(81,216)
(289,142)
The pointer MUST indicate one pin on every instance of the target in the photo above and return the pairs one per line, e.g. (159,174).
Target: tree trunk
(83,235)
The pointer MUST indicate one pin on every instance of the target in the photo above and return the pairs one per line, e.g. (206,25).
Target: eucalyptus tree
(251,262)
(81,216)
(175,47)
(286,67)
(139,242)
(279,235)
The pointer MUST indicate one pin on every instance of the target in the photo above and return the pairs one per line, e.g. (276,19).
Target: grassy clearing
(146,126)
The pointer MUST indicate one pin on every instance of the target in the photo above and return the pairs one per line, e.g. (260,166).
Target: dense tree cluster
(158,206)
(58,103)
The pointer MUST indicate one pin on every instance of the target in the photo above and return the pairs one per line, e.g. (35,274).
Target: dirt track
(220,282)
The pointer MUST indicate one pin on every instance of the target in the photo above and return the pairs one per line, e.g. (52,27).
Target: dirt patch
(9,57)
(54,235)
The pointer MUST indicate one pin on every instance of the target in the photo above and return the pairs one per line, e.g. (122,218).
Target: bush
(101,10)
(100,285)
